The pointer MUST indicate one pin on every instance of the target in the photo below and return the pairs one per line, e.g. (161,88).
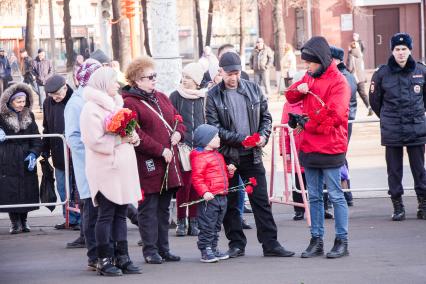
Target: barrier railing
(67,175)
(295,165)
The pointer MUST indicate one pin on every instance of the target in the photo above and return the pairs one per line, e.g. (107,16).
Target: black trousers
(416,157)
(297,197)
(153,218)
(259,201)
(210,218)
(111,224)
(89,218)
(132,214)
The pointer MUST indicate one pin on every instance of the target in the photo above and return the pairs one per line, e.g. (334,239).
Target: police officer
(397,96)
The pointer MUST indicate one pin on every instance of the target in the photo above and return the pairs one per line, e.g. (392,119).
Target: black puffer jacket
(192,112)
(398,97)
(54,123)
(218,114)
(352,84)
(17,184)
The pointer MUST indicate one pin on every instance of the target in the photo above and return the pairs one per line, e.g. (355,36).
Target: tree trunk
(145,26)
(69,44)
(117,38)
(29,31)
(52,35)
(242,29)
(279,32)
(199,29)
(210,23)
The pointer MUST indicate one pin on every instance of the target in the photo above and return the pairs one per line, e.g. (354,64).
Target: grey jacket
(261,60)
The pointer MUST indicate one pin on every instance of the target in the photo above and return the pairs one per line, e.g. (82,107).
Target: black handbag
(47,186)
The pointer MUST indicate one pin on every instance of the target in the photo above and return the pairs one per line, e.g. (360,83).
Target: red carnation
(251,141)
(178,118)
(249,189)
(253,181)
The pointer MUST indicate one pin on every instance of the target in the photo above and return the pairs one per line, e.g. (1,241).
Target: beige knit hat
(195,71)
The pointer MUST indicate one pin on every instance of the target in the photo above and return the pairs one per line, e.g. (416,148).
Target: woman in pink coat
(111,171)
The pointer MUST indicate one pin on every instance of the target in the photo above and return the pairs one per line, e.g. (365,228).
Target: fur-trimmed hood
(14,120)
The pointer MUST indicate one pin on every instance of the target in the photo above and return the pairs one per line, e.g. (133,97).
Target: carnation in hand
(251,141)
(123,122)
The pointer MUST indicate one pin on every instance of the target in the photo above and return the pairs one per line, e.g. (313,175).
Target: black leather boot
(339,249)
(15,223)
(315,248)
(105,266)
(122,259)
(421,208)
(398,209)
(25,227)
(181,228)
(193,227)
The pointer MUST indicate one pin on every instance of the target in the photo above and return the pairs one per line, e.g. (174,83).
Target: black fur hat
(401,39)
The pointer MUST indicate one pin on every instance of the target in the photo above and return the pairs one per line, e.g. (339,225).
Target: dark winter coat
(192,112)
(155,137)
(218,114)
(43,69)
(17,184)
(27,70)
(5,70)
(353,85)
(209,172)
(398,97)
(54,123)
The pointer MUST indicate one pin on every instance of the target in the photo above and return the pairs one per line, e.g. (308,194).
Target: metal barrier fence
(67,175)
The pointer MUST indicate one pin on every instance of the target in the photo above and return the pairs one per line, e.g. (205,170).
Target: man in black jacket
(398,97)
(238,109)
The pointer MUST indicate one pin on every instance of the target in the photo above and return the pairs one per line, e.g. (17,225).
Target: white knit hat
(195,71)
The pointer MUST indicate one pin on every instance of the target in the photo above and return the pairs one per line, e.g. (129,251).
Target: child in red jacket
(210,180)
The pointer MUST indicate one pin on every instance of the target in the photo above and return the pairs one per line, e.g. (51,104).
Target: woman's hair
(102,78)
(137,67)
(288,47)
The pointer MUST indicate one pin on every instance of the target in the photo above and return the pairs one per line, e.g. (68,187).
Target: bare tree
(209,22)
(117,38)
(69,43)
(145,26)
(279,32)
(242,28)
(199,28)
(29,31)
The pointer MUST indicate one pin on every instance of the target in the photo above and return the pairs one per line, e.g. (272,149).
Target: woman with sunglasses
(159,134)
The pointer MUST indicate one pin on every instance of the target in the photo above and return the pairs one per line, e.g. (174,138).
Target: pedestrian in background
(5,71)
(397,96)
(160,133)
(111,171)
(27,69)
(261,61)
(43,69)
(356,67)
(18,157)
(288,65)
(325,94)
(189,101)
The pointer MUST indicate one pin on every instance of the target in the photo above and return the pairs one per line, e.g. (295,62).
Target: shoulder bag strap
(159,116)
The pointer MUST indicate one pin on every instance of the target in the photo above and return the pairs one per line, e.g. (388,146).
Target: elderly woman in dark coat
(18,171)
(159,137)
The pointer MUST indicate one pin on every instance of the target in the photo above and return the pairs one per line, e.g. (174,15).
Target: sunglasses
(150,77)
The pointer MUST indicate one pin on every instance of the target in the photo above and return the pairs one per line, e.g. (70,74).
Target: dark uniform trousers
(416,156)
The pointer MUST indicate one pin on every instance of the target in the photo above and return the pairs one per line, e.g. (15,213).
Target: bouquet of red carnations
(123,122)
(251,141)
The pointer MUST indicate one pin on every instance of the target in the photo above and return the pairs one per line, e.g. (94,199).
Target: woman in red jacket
(325,94)
(210,180)
(156,118)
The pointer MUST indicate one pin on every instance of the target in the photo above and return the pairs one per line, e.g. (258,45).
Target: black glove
(297,120)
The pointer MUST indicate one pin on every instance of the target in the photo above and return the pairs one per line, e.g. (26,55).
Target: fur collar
(15,121)
(395,68)
(102,99)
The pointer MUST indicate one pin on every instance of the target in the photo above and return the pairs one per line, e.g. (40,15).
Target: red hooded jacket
(209,172)
(326,132)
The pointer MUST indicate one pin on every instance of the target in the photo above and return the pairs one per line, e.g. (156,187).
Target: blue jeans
(241,196)
(315,179)
(60,187)
(41,95)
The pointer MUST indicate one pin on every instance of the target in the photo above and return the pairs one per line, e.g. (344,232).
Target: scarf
(191,94)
